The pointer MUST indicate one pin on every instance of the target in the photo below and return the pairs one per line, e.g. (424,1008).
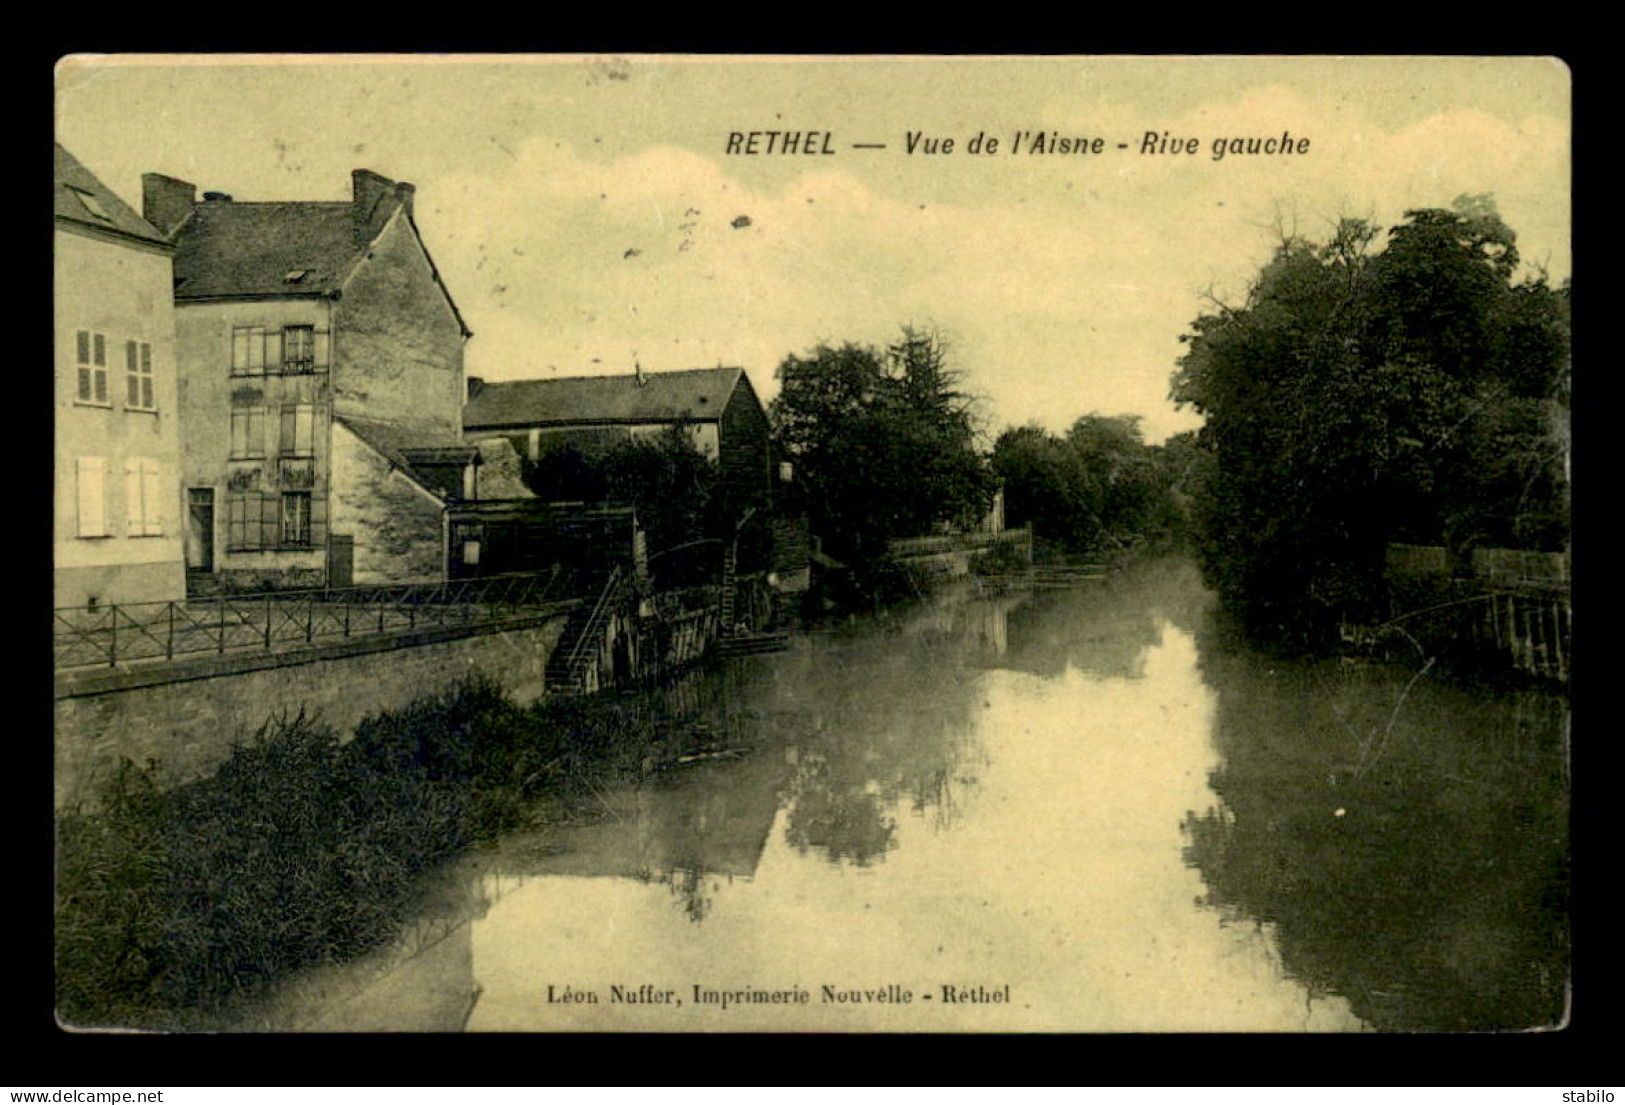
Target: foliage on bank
(1358,397)
(883,442)
(174,905)
(1097,489)
(675,489)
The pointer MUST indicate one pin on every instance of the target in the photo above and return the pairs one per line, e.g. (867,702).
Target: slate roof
(697,395)
(230,248)
(233,248)
(80,196)
(402,443)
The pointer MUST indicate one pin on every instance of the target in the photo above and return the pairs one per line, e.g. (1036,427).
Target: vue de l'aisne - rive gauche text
(1151,143)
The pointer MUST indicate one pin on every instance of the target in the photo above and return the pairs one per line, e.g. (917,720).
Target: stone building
(718,408)
(117,511)
(321,387)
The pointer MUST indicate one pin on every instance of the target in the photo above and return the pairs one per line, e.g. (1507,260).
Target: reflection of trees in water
(890,708)
(838,810)
(886,718)
(1104,627)
(690,888)
(1408,846)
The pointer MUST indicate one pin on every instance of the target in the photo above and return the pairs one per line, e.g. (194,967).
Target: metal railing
(956,542)
(584,649)
(112,634)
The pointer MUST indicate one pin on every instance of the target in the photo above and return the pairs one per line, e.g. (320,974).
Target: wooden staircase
(570,668)
(730,587)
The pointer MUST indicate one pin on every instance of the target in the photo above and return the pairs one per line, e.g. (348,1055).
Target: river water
(1076,809)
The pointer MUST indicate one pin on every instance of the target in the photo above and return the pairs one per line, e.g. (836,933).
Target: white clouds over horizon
(583,220)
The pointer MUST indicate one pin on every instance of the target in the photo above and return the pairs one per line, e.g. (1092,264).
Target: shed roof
(407,444)
(83,199)
(696,395)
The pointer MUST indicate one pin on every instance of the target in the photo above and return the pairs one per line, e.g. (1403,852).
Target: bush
(172,905)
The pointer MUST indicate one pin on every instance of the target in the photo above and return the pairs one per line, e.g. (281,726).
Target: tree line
(886,442)
(1368,392)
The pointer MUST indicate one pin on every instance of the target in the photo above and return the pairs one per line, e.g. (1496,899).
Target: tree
(1044,486)
(883,441)
(1359,397)
(665,478)
(1099,487)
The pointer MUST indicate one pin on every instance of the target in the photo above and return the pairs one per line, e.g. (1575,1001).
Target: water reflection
(1088,796)
(1404,835)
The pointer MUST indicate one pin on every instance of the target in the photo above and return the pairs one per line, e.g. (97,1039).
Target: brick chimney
(165,201)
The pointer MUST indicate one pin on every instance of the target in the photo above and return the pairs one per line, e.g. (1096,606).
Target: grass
(174,906)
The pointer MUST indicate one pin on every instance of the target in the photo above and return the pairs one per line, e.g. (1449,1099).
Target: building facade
(717,407)
(321,387)
(117,513)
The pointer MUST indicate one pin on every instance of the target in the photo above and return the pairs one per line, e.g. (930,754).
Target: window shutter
(132,375)
(270,520)
(151,498)
(318,520)
(133,515)
(321,349)
(242,514)
(92,498)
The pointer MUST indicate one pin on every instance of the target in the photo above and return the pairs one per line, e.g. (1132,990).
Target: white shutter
(92,498)
(152,522)
(132,498)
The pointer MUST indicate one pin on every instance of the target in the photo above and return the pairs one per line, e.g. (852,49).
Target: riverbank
(176,906)
(1024,787)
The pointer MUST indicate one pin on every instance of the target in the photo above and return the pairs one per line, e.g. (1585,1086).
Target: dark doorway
(200,529)
(340,560)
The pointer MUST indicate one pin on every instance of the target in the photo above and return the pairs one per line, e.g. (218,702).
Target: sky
(586,215)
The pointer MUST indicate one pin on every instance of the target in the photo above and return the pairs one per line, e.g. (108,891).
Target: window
(294,350)
(258,521)
(92,356)
(143,497)
(298,431)
(251,520)
(138,376)
(91,203)
(247,432)
(252,348)
(298,349)
(92,495)
(296,517)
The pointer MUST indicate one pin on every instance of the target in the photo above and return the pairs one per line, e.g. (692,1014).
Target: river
(1076,809)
